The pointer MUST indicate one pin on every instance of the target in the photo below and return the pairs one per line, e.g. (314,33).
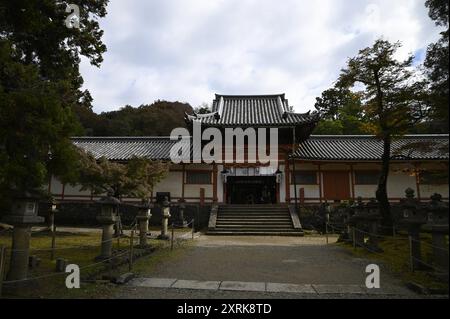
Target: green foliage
(329,127)
(437,67)
(202,109)
(342,113)
(39,85)
(393,100)
(136,178)
(158,118)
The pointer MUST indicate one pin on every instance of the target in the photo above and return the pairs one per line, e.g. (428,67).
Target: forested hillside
(158,118)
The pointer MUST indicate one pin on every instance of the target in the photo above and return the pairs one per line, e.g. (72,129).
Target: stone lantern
(413,217)
(165,218)
(357,221)
(52,210)
(107,218)
(438,222)
(22,216)
(373,218)
(181,220)
(144,214)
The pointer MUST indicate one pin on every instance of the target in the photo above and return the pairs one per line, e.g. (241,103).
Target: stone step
(256,222)
(253,214)
(284,227)
(253,210)
(256,228)
(254,233)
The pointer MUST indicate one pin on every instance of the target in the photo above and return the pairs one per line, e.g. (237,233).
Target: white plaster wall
(191,190)
(398,182)
(56,186)
(172,183)
(365,191)
(311,191)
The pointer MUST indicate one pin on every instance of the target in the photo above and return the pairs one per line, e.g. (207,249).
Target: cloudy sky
(187,50)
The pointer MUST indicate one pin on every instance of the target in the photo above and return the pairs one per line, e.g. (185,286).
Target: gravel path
(293,260)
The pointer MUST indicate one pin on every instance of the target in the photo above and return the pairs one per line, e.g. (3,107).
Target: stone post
(52,210)
(373,218)
(22,216)
(165,219)
(413,217)
(107,218)
(143,217)
(357,221)
(438,220)
(181,207)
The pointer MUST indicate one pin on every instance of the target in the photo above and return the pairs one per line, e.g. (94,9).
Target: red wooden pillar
(287,180)
(202,196)
(215,183)
(302,195)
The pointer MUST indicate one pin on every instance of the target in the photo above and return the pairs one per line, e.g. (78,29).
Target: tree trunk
(381,193)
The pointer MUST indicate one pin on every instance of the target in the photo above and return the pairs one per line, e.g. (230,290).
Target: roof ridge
(367,136)
(121,137)
(249,95)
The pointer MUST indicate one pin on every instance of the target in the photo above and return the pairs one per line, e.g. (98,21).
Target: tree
(203,109)
(40,83)
(136,178)
(394,100)
(341,112)
(437,67)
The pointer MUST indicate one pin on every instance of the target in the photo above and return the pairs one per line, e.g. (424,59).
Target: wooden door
(336,185)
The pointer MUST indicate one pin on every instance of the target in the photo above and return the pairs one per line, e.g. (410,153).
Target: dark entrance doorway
(251,190)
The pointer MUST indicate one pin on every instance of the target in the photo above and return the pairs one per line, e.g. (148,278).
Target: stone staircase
(268,220)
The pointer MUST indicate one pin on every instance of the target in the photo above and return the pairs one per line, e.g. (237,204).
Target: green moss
(396,258)
(68,246)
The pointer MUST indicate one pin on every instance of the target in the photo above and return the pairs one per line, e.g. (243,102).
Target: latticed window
(305,178)
(197,177)
(367,177)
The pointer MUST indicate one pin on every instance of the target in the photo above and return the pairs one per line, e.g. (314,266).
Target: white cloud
(189,50)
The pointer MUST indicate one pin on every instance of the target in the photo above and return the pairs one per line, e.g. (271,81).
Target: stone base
(163,237)
(102,258)
(181,223)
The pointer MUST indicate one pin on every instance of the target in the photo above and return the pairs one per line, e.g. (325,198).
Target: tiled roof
(317,147)
(369,148)
(252,110)
(124,148)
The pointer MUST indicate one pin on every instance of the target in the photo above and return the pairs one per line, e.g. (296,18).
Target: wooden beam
(287,180)
(417,175)
(183,181)
(352,181)
(319,171)
(215,183)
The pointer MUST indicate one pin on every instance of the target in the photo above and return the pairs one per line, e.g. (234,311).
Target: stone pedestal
(165,220)
(181,221)
(440,249)
(413,217)
(438,224)
(107,218)
(52,210)
(143,217)
(22,216)
(357,221)
(373,219)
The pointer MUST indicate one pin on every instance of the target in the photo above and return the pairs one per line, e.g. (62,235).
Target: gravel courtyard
(301,261)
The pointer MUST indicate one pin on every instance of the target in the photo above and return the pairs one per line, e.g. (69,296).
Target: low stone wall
(84,214)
